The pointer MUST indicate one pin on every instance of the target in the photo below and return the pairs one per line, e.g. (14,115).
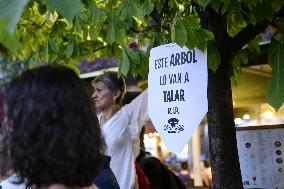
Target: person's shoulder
(9,183)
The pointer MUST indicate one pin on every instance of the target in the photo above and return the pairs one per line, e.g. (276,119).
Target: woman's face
(102,96)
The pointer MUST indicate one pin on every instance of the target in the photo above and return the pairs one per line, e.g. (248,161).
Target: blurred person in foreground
(7,177)
(51,131)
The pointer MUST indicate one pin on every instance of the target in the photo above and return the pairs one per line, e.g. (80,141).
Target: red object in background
(142,179)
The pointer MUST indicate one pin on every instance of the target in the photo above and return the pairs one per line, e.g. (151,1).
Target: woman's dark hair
(184,165)
(4,160)
(52,131)
(113,82)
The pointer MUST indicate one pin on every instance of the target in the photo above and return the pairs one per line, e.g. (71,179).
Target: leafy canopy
(64,32)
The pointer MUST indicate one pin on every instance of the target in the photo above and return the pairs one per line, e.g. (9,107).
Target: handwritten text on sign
(177,92)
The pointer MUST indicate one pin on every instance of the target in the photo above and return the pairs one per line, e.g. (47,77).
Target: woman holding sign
(120,125)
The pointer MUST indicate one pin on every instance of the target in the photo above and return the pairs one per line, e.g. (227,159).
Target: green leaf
(70,49)
(46,53)
(74,68)
(111,32)
(7,39)
(235,77)
(58,28)
(178,32)
(124,63)
(198,38)
(144,64)
(191,39)
(98,15)
(84,17)
(94,33)
(66,8)
(232,5)
(133,55)
(120,36)
(237,62)
(173,5)
(203,37)
(143,7)
(76,50)
(42,9)
(235,23)
(262,10)
(276,5)
(273,52)
(215,4)
(53,46)
(160,39)
(280,24)
(77,26)
(157,40)
(192,22)
(275,93)
(127,9)
(139,9)
(203,3)
(213,57)
(11,11)
(253,46)
(241,58)
(151,45)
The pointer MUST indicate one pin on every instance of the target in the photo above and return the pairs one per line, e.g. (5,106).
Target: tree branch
(100,48)
(251,31)
(280,13)
(216,23)
(146,29)
(247,34)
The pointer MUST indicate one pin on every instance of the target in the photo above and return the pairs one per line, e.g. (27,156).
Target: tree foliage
(64,32)
(53,31)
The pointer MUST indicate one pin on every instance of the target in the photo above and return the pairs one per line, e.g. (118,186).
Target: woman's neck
(108,113)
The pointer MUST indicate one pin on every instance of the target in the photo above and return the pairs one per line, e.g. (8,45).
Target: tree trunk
(221,127)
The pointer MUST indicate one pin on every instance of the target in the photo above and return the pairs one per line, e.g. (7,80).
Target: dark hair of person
(52,131)
(207,163)
(113,82)
(184,165)
(4,160)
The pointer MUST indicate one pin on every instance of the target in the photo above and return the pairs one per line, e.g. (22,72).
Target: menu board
(261,155)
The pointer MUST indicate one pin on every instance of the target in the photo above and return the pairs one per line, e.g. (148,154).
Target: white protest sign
(177,91)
